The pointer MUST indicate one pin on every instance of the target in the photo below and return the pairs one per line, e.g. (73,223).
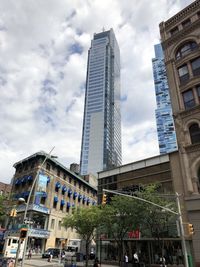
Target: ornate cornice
(182,14)
(181,34)
(192,148)
(185,113)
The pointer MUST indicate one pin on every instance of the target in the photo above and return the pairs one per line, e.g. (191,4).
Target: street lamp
(26,210)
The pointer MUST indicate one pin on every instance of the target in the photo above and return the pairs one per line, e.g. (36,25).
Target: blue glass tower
(101,135)
(164,119)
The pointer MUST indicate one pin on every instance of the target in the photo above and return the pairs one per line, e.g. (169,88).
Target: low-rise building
(56,191)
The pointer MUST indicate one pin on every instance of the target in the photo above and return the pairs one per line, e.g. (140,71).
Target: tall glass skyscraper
(101,136)
(164,119)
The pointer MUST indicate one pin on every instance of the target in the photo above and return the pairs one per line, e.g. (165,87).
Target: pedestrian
(30,253)
(126,260)
(50,257)
(136,259)
(96,263)
(11,263)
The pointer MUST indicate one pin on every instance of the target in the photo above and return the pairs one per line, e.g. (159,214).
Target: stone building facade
(56,192)
(180,36)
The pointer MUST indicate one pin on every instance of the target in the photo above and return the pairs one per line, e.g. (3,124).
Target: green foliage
(84,220)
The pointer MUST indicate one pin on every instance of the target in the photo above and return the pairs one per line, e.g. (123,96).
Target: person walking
(126,260)
(30,253)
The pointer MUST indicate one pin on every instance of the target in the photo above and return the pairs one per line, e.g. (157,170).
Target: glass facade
(164,119)
(101,135)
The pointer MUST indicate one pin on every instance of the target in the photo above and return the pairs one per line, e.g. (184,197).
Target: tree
(155,220)
(125,214)
(118,218)
(85,221)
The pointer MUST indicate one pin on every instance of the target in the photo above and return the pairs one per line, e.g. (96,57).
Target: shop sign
(39,233)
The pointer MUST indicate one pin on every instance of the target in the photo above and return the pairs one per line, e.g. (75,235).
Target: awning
(18,182)
(68,205)
(62,202)
(64,188)
(23,180)
(44,194)
(88,200)
(80,196)
(93,203)
(84,198)
(57,185)
(55,199)
(69,192)
(25,194)
(29,178)
(48,179)
(75,194)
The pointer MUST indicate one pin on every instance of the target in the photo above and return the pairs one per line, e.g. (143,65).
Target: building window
(188,99)
(54,204)
(64,176)
(186,49)
(70,180)
(59,225)
(194,133)
(58,172)
(52,223)
(198,91)
(186,23)
(174,31)
(183,74)
(32,164)
(196,66)
(48,167)
(74,182)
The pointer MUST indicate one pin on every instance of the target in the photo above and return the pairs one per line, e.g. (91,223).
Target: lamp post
(26,210)
(179,214)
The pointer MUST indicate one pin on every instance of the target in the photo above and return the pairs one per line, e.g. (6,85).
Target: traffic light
(190,229)
(104,199)
(23,233)
(13,213)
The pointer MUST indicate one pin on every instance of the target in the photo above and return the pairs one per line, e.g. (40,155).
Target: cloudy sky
(43,59)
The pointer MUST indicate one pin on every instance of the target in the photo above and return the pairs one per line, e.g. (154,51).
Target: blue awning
(48,179)
(55,199)
(84,198)
(69,192)
(68,205)
(25,194)
(17,182)
(58,185)
(44,194)
(75,194)
(62,202)
(29,178)
(88,200)
(80,196)
(64,188)
(93,203)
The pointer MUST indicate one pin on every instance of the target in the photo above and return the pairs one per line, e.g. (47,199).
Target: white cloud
(42,78)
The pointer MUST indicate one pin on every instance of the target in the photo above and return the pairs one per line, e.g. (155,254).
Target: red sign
(134,234)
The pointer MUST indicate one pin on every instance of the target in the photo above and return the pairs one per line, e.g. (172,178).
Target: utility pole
(179,214)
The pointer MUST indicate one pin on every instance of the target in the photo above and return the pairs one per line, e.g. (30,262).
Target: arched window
(194,133)
(186,49)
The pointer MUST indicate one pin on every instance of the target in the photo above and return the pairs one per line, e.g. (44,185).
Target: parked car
(54,251)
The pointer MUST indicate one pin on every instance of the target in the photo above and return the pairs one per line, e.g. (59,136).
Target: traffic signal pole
(179,214)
